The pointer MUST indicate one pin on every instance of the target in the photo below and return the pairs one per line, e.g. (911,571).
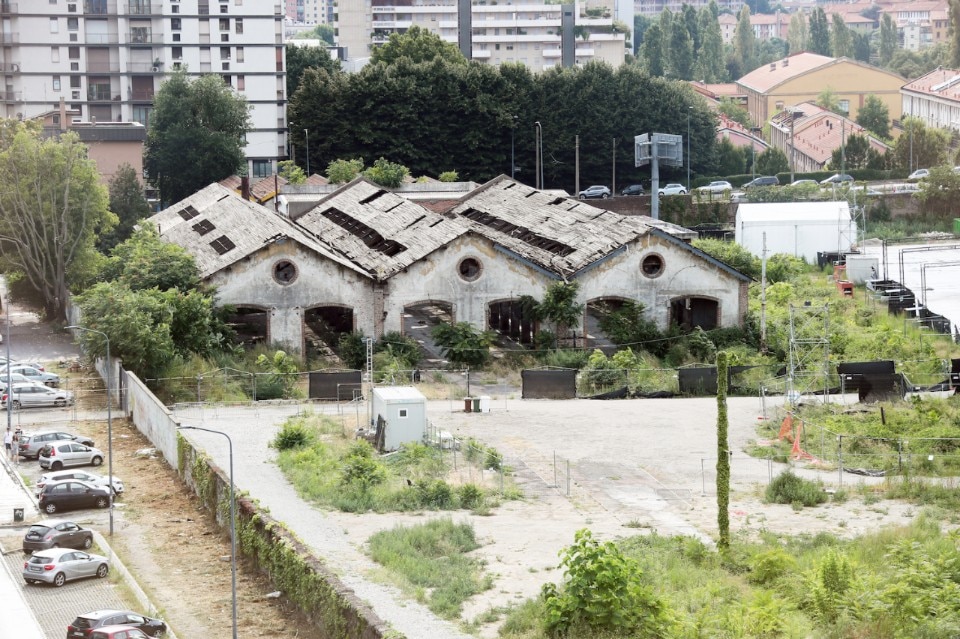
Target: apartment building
(528,33)
(653,8)
(106,59)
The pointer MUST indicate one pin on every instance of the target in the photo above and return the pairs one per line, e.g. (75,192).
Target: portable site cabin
(399,415)
(801,229)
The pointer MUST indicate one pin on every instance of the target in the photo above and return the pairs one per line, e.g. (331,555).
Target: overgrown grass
(787,488)
(432,560)
(899,582)
(334,471)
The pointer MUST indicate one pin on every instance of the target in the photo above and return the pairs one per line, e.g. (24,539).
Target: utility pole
(792,155)
(613,180)
(763,295)
(576,168)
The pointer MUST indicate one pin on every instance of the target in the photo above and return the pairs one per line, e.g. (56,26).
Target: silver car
(30,444)
(33,373)
(15,378)
(34,394)
(91,478)
(59,455)
(57,566)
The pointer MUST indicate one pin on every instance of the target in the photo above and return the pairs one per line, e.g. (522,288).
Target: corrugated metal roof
(217,227)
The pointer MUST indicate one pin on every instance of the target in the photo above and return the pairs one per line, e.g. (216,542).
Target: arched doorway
(691,312)
(251,325)
(322,328)
(419,321)
(513,319)
(595,312)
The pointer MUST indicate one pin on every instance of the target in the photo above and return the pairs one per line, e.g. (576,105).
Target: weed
(788,488)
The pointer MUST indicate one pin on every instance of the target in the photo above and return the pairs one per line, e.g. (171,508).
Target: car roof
(100,614)
(53,553)
(63,481)
(50,523)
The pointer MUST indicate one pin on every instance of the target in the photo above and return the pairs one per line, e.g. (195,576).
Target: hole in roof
(372,197)
(188,212)
(223,244)
(203,227)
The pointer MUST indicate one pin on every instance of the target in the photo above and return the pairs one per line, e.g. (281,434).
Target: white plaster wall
(684,274)
(250,282)
(436,277)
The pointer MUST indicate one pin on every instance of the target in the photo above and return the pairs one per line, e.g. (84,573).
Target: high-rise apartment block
(106,59)
(527,32)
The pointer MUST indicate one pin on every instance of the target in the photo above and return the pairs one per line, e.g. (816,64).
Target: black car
(71,495)
(763,180)
(633,189)
(82,625)
(56,533)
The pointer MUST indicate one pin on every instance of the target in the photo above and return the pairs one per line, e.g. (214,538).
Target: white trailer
(402,413)
(801,229)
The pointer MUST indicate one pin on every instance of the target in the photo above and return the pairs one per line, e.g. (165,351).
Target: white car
(716,187)
(15,378)
(34,394)
(82,475)
(672,189)
(59,455)
(919,174)
(32,373)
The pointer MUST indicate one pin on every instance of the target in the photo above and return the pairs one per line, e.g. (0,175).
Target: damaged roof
(376,229)
(218,228)
(558,234)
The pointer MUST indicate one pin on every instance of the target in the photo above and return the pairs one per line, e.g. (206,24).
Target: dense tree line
(444,114)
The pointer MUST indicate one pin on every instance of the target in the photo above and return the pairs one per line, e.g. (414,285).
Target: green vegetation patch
(431,559)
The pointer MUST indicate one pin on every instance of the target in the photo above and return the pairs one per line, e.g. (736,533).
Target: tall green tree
(681,52)
(640,25)
(862,49)
(819,29)
(772,161)
(732,160)
(299,59)
(127,203)
(841,40)
(51,206)
(828,100)
(692,25)
(888,39)
(874,116)
(745,41)
(797,33)
(856,153)
(559,307)
(418,45)
(144,261)
(652,51)
(919,146)
(196,135)
(708,65)
(666,33)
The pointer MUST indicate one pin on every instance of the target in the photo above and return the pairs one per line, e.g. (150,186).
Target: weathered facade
(364,258)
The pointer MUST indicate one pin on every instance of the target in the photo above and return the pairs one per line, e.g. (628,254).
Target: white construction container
(403,412)
(801,229)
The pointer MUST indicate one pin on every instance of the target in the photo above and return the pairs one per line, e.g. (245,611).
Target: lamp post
(233,522)
(106,339)
(306,132)
(538,143)
(513,161)
(689,109)
(9,374)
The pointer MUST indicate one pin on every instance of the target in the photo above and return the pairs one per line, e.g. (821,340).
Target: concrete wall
(151,418)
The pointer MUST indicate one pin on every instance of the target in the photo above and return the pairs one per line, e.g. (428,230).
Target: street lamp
(233,522)
(306,132)
(513,161)
(689,109)
(109,415)
(538,142)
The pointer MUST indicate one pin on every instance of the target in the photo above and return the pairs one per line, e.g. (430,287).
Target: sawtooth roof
(558,234)
(376,229)
(218,228)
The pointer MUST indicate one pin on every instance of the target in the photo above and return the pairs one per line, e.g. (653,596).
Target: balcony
(142,95)
(8,7)
(146,67)
(145,38)
(100,93)
(103,67)
(9,38)
(10,67)
(142,9)
(481,55)
(102,38)
(10,96)
(99,8)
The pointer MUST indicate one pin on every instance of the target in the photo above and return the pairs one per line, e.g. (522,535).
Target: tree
(734,111)
(731,160)
(144,261)
(874,116)
(828,100)
(723,454)
(559,307)
(463,344)
(640,25)
(299,59)
(819,41)
(419,45)
(841,41)
(681,51)
(919,146)
(797,33)
(856,153)
(888,39)
(692,25)
(51,205)
(861,46)
(127,203)
(326,33)
(292,173)
(772,161)
(386,173)
(196,135)
(652,51)
(745,41)
(342,171)
(708,66)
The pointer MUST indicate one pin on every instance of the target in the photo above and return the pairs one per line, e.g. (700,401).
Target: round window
(652,265)
(470,269)
(285,272)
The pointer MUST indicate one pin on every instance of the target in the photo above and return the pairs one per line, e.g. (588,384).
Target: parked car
(837,178)
(672,189)
(84,625)
(31,444)
(59,455)
(595,191)
(33,374)
(4,362)
(716,187)
(56,533)
(633,189)
(91,478)
(118,632)
(57,566)
(919,174)
(15,378)
(805,183)
(72,495)
(763,180)
(33,394)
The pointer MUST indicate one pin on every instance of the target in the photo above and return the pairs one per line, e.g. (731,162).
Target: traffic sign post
(655,149)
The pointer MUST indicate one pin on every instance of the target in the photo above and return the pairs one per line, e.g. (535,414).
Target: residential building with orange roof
(934,98)
(802,77)
(739,135)
(816,134)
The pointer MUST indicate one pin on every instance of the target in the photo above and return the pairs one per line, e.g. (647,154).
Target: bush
(435,494)
(360,470)
(353,350)
(767,567)
(471,496)
(787,488)
(292,435)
